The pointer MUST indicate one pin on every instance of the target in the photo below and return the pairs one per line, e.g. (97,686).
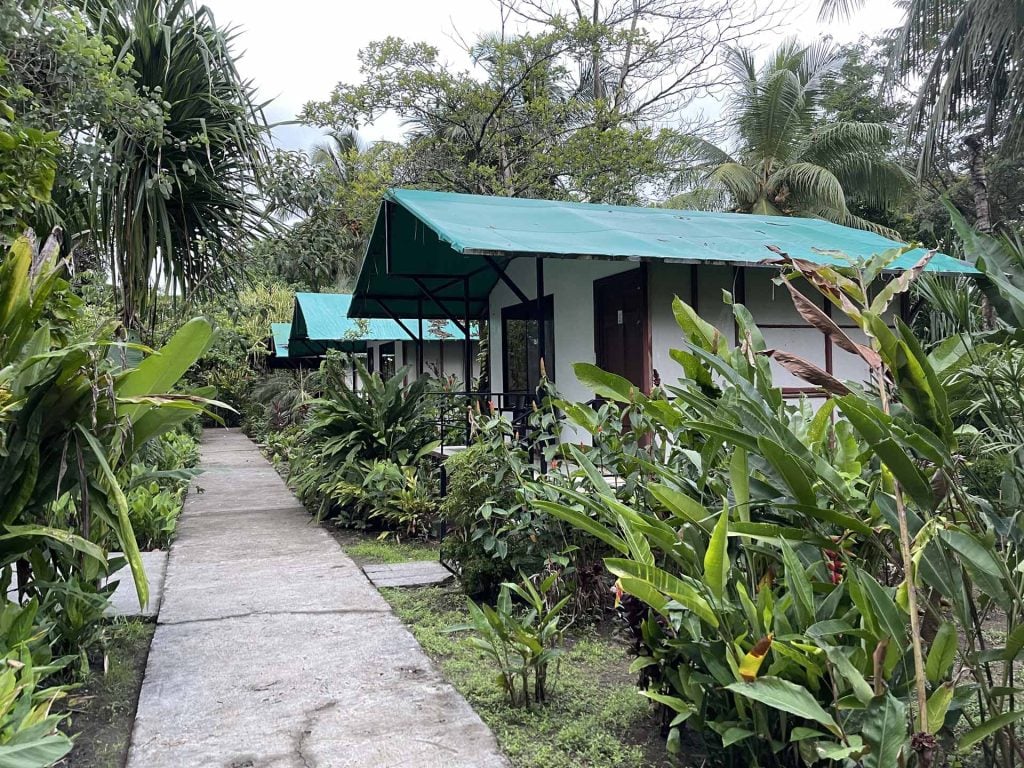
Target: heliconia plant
(816,580)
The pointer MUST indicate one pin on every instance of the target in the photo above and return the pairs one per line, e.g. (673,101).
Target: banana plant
(69,421)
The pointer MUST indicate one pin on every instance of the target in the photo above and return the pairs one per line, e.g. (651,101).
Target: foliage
(71,421)
(766,551)
(964,60)
(522,646)
(27,167)
(64,83)
(495,527)
(348,430)
(592,715)
(573,108)
(177,204)
(395,497)
(786,161)
(29,734)
(234,365)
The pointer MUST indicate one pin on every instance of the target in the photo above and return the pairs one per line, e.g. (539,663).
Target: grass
(595,718)
(103,710)
(366,548)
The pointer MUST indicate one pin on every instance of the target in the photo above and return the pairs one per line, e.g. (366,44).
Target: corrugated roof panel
(511,226)
(280,332)
(324,317)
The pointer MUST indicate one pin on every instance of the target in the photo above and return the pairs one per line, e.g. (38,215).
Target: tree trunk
(982,207)
(979,182)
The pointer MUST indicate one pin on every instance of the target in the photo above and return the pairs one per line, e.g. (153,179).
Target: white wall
(433,362)
(571,283)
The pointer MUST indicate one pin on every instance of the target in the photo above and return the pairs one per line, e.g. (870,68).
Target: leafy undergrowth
(594,719)
(367,548)
(103,710)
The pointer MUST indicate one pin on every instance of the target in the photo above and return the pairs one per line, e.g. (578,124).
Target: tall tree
(787,161)
(966,58)
(176,209)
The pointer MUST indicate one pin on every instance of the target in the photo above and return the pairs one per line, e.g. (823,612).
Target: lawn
(595,718)
(368,549)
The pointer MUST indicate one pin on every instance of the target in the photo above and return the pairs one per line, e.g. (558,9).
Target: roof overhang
(439,255)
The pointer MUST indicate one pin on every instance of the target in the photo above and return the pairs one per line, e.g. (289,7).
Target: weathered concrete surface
(407,574)
(273,650)
(125,600)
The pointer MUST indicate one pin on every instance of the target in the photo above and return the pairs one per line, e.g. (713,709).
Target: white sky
(297,51)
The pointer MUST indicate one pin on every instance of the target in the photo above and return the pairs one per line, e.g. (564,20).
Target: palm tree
(175,209)
(336,154)
(969,58)
(789,161)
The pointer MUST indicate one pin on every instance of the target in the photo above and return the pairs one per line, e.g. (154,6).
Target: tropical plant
(349,429)
(70,420)
(522,643)
(177,206)
(855,535)
(29,733)
(28,163)
(965,61)
(786,161)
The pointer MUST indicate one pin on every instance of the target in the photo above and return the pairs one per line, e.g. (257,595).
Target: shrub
(348,431)
(784,561)
(523,643)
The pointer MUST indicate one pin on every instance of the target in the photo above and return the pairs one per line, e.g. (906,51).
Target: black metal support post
(467,362)
(419,341)
(541,343)
(541,331)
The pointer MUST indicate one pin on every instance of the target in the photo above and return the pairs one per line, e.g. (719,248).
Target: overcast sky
(298,50)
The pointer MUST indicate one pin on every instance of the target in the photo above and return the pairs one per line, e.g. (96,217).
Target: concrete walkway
(273,650)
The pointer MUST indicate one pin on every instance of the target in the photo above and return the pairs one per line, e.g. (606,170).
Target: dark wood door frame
(641,273)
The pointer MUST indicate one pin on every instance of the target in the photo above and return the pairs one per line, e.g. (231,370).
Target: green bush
(348,431)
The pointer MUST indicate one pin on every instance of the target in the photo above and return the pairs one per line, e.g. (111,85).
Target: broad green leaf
(160,372)
(681,505)
(669,585)
(698,331)
(739,479)
(584,522)
(885,731)
(605,384)
(788,697)
(798,583)
(941,654)
(938,706)
(40,753)
(876,428)
(889,618)
(716,558)
(841,661)
(125,534)
(988,728)
(793,473)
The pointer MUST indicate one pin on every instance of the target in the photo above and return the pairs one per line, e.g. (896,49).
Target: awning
(320,322)
(438,254)
(279,333)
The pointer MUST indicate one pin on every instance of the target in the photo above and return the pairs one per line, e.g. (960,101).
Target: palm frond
(809,185)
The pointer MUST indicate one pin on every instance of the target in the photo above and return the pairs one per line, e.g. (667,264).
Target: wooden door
(621,334)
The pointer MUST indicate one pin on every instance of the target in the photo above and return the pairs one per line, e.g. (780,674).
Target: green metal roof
(450,245)
(280,332)
(320,322)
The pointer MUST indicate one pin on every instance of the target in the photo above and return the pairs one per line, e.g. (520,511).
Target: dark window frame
(527,311)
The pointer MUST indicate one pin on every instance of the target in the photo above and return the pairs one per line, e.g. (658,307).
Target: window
(387,360)
(521,345)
